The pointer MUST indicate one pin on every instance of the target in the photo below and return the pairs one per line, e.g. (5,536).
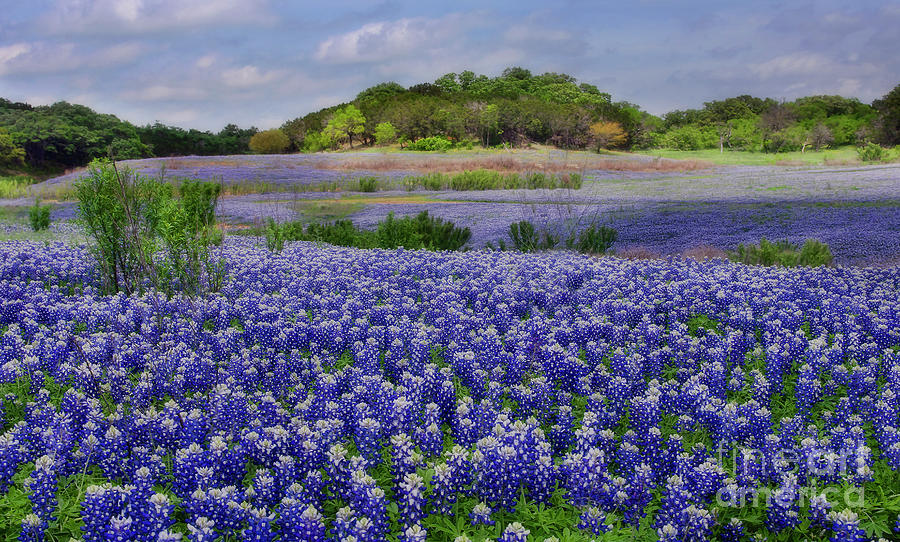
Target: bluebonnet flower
(259,526)
(783,510)
(411,497)
(481,515)
(845,526)
(414,533)
(42,488)
(300,523)
(594,521)
(819,508)
(33,528)
(733,531)
(202,530)
(514,532)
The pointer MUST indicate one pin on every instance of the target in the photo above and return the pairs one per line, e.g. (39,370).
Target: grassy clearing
(833,157)
(15,186)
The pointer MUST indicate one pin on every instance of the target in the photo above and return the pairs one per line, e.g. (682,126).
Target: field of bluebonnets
(664,210)
(331,393)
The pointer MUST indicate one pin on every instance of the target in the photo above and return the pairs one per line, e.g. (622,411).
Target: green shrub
(432,144)
(815,253)
(690,138)
(594,240)
(130,218)
(368,184)
(385,133)
(39,216)
(479,179)
(783,253)
(438,234)
(272,141)
(275,236)
(524,236)
(870,152)
(394,233)
(422,231)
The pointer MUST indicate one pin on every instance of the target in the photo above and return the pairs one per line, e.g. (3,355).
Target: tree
(888,108)
(608,134)
(385,134)
(774,121)
(820,136)
(272,141)
(344,124)
(10,153)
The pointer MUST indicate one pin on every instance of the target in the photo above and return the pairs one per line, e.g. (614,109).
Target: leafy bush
(368,184)
(130,217)
(479,179)
(385,133)
(783,253)
(186,229)
(433,143)
(394,233)
(594,240)
(422,231)
(39,216)
(524,236)
(272,141)
(690,138)
(488,179)
(438,234)
(275,236)
(871,152)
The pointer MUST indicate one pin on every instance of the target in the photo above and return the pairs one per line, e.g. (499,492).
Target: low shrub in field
(871,152)
(526,238)
(433,143)
(594,240)
(813,253)
(422,231)
(368,184)
(39,216)
(488,179)
(591,240)
(145,234)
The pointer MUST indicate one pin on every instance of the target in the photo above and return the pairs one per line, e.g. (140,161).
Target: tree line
(462,109)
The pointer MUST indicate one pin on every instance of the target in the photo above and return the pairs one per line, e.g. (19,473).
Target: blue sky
(204,63)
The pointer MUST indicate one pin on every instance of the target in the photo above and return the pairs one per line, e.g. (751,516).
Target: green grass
(15,186)
(328,210)
(838,155)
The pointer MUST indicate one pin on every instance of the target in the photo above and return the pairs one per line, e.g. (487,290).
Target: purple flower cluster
(330,393)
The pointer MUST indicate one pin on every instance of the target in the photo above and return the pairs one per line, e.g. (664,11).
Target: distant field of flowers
(656,209)
(340,394)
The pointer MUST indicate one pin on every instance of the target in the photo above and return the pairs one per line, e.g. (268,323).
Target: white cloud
(384,40)
(52,57)
(157,93)
(205,61)
(9,53)
(800,63)
(129,16)
(249,76)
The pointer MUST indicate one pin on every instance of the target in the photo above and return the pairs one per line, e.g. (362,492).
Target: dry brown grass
(791,163)
(841,162)
(511,164)
(704,252)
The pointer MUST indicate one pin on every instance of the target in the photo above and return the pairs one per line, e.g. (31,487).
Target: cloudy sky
(204,63)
